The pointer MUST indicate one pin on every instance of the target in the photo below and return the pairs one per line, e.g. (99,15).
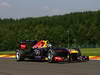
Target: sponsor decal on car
(73,51)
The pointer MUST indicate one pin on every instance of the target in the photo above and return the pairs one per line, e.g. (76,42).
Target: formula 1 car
(43,50)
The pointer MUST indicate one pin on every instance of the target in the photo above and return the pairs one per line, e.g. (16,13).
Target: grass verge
(90,51)
(7,52)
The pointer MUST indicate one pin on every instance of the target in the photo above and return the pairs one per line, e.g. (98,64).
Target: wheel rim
(50,56)
(17,56)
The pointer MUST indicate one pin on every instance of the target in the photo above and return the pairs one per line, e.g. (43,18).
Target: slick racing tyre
(19,55)
(50,56)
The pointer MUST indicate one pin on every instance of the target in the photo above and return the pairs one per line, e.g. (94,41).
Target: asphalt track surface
(11,67)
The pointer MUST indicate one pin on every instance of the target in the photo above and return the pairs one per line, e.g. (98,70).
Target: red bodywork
(23,46)
(58,59)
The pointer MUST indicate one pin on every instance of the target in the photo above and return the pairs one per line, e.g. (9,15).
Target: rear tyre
(19,56)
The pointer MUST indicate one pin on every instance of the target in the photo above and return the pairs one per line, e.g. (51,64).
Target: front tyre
(50,56)
(85,58)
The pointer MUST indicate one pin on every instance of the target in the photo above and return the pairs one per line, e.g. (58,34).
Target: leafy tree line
(79,29)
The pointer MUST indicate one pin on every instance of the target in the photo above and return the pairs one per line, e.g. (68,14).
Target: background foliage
(79,29)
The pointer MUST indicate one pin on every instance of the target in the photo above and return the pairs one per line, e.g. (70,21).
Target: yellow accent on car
(45,44)
(73,51)
(46,58)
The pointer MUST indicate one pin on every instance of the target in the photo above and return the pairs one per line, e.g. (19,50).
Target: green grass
(7,52)
(90,51)
(84,51)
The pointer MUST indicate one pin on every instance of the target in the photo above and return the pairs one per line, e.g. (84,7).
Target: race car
(43,50)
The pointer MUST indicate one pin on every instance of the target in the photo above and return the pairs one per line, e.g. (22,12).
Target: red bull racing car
(43,50)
